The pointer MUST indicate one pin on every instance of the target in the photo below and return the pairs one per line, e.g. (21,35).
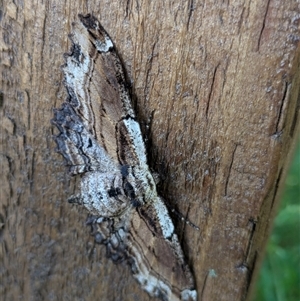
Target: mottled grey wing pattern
(78,146)
(100,139)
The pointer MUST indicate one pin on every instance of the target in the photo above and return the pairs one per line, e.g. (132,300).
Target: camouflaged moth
(100,139)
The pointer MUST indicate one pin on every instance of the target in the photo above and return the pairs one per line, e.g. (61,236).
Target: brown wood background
(216,89)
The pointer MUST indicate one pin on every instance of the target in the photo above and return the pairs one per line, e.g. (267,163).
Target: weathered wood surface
(216,90)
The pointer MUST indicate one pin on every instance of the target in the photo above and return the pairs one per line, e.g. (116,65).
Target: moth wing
(98,95)
(96,123)
(81,151)
(145,237)
(158,261)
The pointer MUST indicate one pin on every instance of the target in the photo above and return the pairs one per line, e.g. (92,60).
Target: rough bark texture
(216,89)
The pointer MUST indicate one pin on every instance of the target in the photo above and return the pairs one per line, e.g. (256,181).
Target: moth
(101,140)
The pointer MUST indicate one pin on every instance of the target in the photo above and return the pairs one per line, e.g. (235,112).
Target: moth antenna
(184,219)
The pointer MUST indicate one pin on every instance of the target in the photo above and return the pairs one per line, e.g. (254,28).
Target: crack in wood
(263,26)
(211,90)
(190,12)
(230,168)
(282,102)
(276,187)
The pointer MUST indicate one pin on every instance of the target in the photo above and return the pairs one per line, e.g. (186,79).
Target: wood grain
(216,89)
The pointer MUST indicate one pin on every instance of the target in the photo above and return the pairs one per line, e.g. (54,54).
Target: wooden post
(216,90)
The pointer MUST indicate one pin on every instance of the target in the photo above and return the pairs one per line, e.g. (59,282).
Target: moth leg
(76,199)
(156,177)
